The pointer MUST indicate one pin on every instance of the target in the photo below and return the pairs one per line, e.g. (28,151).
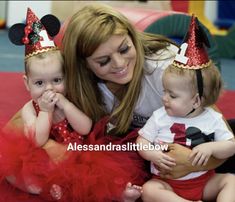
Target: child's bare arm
(224,149)
(77,119)
(220,150)
(146,154)
(37,127)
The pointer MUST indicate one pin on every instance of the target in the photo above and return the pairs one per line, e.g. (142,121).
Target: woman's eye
(125,49)
(104,62)
(39,83)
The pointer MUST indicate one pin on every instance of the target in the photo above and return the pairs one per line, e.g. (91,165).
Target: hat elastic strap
(199,86)
(199,82)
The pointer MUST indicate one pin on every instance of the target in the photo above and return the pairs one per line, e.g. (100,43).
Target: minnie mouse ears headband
(37,35)
(192,53)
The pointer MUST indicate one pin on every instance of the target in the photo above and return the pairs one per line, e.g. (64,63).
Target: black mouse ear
(16,33)
(51,23)
(203,35)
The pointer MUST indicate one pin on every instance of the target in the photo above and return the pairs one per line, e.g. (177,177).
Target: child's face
(44,74)
(178,98)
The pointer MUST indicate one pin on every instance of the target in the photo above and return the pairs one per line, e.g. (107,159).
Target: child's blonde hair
(56,53)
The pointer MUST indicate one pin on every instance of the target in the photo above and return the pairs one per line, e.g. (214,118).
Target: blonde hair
(212,81)
(87,29)
(57,53)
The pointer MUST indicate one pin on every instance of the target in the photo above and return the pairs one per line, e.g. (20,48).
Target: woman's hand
(163,161)
(183,165)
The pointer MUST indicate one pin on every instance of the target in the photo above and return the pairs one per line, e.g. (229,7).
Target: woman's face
(114,60)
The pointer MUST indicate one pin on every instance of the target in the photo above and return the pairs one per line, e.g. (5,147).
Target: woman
(113,71)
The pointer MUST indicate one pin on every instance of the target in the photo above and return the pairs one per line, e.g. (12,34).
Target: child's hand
(47,101)
(61,101)
(164,161)
(201,154)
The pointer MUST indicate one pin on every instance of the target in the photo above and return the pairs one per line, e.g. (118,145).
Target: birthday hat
(193,53)
(37,35)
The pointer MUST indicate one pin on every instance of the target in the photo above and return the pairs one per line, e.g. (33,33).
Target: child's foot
(131,193)
(56,192)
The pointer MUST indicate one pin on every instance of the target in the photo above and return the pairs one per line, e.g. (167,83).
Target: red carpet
(13,95)
(226,104)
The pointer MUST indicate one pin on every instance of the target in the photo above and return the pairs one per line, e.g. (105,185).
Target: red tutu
(19,158)
(83,175)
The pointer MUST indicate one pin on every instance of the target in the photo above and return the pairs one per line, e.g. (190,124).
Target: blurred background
(169,18)
(152,16)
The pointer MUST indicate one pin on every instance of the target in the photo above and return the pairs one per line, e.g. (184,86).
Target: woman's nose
(118,61)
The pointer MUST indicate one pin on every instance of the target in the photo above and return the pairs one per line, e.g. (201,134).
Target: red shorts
(191,189)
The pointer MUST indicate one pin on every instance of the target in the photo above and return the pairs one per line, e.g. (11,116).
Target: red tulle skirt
(82,175)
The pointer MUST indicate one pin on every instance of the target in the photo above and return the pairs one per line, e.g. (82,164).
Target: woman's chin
(124,79)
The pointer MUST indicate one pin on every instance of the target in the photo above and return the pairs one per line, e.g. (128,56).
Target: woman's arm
(181,155)
(183,165)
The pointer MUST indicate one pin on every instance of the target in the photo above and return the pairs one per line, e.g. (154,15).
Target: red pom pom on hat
(192,53)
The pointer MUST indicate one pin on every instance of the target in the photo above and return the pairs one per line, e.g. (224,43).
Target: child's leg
(222,187)
(159,191)
(27,186)
(24,185)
